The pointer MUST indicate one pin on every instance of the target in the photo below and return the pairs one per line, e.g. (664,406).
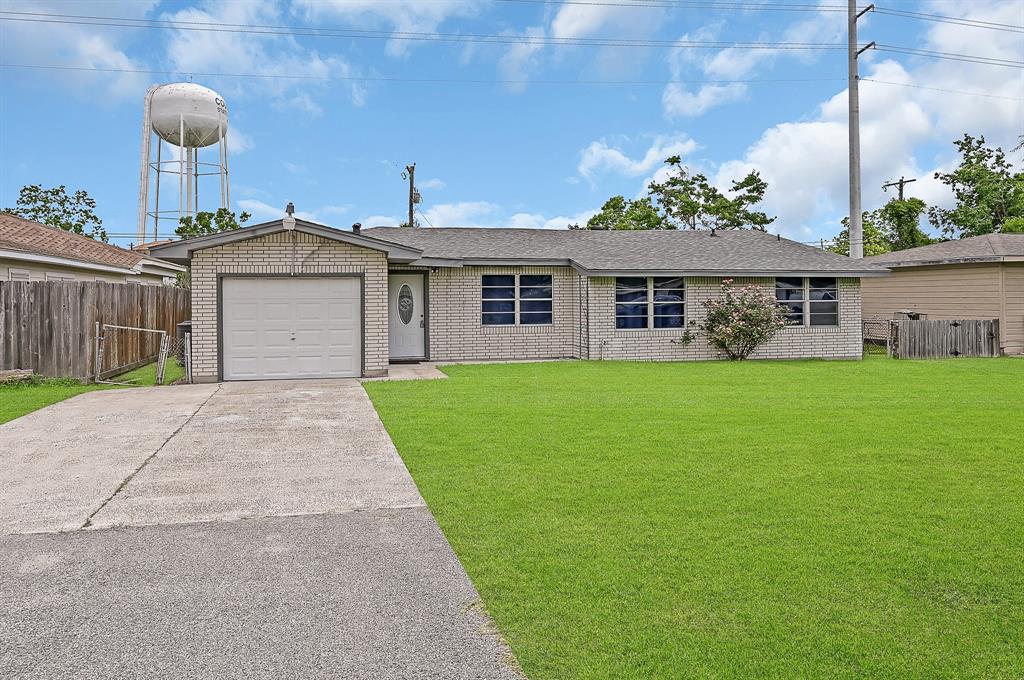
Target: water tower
(188,117)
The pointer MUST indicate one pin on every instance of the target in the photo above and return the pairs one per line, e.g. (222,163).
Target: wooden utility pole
(410,173)
(852,52)
(900,183)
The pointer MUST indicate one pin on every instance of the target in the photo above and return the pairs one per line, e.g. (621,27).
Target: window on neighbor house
(18,274)
(516,299)
(809,301)
(649,302)
(59,276)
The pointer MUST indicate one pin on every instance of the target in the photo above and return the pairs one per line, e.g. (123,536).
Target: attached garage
(291,327)
(288,299)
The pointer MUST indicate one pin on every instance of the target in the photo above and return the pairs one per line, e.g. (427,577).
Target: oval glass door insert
(405,304)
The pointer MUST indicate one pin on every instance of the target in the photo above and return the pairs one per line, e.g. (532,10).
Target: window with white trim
(516,299)
(649,302)
(809,301)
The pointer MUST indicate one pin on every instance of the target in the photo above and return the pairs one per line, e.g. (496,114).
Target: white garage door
(291,327)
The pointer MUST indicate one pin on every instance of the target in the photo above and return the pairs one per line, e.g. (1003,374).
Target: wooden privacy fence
(50,326)
(941,339)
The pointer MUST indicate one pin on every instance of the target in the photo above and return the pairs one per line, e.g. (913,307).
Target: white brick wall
(456,331)
(277,254)
(607,342)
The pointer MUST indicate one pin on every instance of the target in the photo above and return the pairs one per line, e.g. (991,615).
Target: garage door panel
(291,327)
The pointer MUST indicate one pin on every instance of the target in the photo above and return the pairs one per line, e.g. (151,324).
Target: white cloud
(92,47)
(201,51)
(263,211)
(539,221)
(463,214)
(520,59)
(397,15)
(432,184)
(381,221)
(600,156)
(678,100)
(238,141)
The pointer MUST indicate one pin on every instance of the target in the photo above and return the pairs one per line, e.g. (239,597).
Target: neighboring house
(292,299)
(31,251)
(981,277)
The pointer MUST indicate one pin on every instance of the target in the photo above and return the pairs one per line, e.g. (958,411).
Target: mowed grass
(755,519)
(19,398)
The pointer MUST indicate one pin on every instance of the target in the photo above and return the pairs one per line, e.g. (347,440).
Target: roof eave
(982,259)
(853,274)
(38,258)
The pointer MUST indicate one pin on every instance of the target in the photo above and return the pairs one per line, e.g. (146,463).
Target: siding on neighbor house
(1012,324)
(955,291)
(826,342)
(21,270)
(274,254)
(458,334)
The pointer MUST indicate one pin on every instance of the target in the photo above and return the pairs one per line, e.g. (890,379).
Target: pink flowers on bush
(742,319)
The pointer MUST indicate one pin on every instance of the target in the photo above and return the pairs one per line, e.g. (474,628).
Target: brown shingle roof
(987,248)
(17,233)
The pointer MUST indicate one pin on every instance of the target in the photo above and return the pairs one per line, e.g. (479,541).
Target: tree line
(987,190)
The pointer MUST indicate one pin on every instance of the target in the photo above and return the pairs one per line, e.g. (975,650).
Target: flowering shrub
(742,319)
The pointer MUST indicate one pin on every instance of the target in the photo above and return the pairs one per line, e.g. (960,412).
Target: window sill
(649,332)
(518,328)
(812,329)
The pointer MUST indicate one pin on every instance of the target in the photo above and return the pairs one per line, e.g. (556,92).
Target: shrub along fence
(50,326)
(941,338)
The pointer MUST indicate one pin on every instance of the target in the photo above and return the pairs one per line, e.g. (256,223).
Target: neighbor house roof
(29,240)
(608,252)
(987,248)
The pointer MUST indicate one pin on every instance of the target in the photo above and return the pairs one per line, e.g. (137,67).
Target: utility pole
(414,196)
(901,183)
(852,52)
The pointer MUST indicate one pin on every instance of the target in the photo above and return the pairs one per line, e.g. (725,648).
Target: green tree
(690,201)
(987,191)
(622,213)
(205,223)
(1014,225)
(875,240)
(901,223)
(75,212)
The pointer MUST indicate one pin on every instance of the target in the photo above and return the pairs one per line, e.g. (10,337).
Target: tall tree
(900,222)
(875,240)
(987,190)
(71,212)
(622,213)
(690,201)
(204,223)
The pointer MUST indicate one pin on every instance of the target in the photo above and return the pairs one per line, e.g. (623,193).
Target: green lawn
(758,519)
(17,399)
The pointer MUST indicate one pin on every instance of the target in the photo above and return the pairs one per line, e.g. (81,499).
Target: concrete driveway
(263,529)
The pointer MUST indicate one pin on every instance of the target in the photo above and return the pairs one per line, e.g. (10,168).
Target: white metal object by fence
(188,358)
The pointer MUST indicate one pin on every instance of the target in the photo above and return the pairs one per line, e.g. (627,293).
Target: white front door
(291,327)
(406,317)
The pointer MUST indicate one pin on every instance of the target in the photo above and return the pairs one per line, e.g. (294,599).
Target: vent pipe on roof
(356,227)
(289,221)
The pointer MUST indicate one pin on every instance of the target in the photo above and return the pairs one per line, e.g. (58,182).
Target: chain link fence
(875,335)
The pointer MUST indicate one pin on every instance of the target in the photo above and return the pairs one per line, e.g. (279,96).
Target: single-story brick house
(294,299)
(981,277)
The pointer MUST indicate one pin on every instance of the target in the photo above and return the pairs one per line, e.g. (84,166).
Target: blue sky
(511,148)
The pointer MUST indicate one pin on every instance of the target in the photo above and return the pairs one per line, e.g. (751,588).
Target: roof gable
(181,251)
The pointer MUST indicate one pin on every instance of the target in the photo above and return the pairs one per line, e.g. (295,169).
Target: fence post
(99,353)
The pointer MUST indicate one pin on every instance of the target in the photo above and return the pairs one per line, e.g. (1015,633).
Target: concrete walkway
(237,530)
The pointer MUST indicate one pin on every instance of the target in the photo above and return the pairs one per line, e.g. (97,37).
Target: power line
(941,89)
(402,79)
(303,31)
(940,18)
(951,56)
(692,4)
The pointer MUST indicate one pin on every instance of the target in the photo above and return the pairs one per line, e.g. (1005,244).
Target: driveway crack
(130,477)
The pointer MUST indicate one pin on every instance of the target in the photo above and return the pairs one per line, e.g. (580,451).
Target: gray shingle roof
(729,252)
(987,248)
